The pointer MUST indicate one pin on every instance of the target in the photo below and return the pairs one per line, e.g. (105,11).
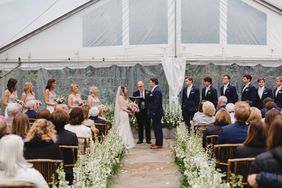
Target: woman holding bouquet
(121,117)
(74,99)
(50,95)
(28,94)
(10,94)
(93,98)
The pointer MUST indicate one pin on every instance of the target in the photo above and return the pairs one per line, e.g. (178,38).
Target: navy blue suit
(278,98)
(155,112)
(230,94)
(235,133)
(190,104)
(249,94)
(266,93)
(211,95)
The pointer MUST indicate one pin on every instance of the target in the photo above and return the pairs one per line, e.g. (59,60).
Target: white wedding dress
(122,121)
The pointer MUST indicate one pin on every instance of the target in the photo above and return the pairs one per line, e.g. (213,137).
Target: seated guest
(255,143)
(208,114)
(75,124)
(236,133)
(222,118)
(20,125)
(32,107)
(94,115)
(255,115)
(221,103)
(40,142)
(230,108)
(88,122)
(44,114)
(12,110)
(13,166)
(64,137)
(266,179)
(270,161)
(266,100)
(270,116)
(63,107)
(3,128)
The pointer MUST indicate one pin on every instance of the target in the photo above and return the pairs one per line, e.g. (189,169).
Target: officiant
(143,121)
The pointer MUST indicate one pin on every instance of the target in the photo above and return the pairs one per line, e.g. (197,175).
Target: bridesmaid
(74,99)
(28,94)
(10,94)
(50,95)
(93,99)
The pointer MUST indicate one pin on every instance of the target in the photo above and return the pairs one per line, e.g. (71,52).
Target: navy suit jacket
(266,93)
(235,133)
(211,95)
(250,94)
(155,107)
(278,98)
(190,103)
(230,94)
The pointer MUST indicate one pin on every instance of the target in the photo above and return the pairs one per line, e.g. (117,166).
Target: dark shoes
(139,142)
(148,142)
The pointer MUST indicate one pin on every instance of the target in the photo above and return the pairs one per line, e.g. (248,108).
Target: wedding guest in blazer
(228,90)
(264,102)
(190,101)
(236,133)
(249,92)
(278,92)
(209,93)
(262,93)
(255,142)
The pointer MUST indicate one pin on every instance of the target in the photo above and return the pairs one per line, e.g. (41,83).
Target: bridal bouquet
(133,107)
(60,100)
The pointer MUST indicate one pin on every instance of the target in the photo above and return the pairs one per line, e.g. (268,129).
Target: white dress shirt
(245,87)
(207,89)
(260,91)
(277,90)
(154,88)
(189,88)
(224,88)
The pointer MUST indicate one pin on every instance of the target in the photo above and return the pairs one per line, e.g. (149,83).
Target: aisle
(146,168)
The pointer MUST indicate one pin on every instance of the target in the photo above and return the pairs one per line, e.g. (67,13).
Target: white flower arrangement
(172,115)
(100,162)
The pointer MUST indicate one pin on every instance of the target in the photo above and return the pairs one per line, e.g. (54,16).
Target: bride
(122,118)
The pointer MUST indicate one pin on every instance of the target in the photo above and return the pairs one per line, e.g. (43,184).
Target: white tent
(129,31)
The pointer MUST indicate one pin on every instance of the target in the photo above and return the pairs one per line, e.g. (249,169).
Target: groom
(142,117)
(155,112)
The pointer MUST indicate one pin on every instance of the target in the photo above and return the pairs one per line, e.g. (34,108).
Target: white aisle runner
(143,167)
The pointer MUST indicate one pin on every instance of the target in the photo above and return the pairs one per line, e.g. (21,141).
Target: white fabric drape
(174,69)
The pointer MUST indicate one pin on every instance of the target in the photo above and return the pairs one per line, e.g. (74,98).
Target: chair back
(47,167)
(211,140)
(83,143)
(69,155)
(223,152)
(199,128)
(239,167)
(18,184)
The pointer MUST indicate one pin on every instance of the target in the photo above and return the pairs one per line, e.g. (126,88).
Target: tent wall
(109,78)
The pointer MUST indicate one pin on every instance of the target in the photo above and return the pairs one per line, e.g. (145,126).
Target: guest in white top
(230,108)
(13,166)
(74,99)
(93,98)
(50,95)
(28,94)
(10,94)
(208,115)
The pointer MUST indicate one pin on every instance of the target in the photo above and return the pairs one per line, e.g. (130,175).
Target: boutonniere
(151,94)
(279,91)
(209,92)
(192,92)
(246,89)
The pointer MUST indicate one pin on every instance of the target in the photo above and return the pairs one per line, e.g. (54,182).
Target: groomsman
(190,101)
(209,93)
(155,112)
(143,120)
(249,92)
(228,90)
(278,92)
(262,93)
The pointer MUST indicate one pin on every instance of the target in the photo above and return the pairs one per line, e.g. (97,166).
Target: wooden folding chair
(83,143)
(223,152)
(69,155)
(211,140)
(239,166)
(18,184)
(47,167)
(199,128)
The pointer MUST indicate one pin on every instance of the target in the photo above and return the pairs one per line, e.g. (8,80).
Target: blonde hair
(20,125)
(242,111)
(26,86)
(255,115)
(73,86)
(44,129)
(92,88)
(208,108)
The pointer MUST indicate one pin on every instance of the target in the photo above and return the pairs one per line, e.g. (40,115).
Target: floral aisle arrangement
(197,168)
(172,115)
(100,162)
